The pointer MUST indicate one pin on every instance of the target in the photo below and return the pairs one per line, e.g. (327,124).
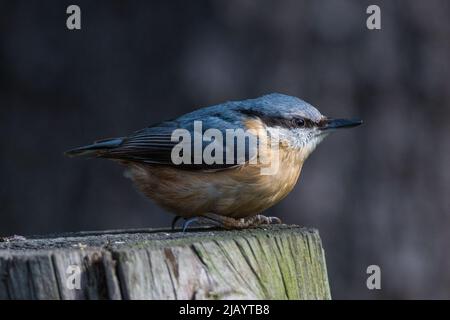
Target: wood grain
(277,262)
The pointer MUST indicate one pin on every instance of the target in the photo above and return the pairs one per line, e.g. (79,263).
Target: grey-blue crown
(277,104)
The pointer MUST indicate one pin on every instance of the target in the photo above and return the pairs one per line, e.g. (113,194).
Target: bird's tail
(97,149)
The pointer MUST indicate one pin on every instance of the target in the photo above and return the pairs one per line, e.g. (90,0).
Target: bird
(231,192)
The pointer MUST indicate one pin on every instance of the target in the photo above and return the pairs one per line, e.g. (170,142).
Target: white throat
(305,140)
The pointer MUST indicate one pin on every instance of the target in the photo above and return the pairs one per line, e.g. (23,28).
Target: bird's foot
(260,219)
(242,223)
(216,220)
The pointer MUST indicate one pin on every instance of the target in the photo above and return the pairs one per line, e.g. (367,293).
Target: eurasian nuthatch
(230,191)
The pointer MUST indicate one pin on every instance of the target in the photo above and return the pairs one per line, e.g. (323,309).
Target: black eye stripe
(309,123)
(297,122)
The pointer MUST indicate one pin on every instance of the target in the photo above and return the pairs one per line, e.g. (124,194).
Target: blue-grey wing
(155,144)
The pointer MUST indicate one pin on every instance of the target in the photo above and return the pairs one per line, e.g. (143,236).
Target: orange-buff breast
(235,192)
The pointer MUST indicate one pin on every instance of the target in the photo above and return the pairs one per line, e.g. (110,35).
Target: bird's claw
(227,222)
(243,223)
(260,219)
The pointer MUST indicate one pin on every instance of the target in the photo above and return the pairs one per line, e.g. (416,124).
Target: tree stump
(276,262)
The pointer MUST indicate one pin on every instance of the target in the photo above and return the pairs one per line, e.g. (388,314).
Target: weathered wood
(278,262)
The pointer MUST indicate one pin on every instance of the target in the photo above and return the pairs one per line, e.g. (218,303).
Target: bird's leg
(174,221)
(230,223)
(242,223)
(200,220)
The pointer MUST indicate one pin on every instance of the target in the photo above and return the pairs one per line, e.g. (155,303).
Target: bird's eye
(299,122)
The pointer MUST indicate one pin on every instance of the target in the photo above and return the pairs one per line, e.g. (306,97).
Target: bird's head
(298,124)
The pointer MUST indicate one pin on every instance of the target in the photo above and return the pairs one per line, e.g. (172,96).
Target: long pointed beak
(340,123)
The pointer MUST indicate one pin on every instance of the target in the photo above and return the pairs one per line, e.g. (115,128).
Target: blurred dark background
(379,194)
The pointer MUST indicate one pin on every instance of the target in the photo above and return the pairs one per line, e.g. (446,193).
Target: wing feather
(154,145)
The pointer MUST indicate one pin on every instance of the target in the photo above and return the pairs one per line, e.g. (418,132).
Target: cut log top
(277,262)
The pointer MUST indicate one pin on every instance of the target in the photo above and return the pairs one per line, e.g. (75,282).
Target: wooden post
(277,262)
